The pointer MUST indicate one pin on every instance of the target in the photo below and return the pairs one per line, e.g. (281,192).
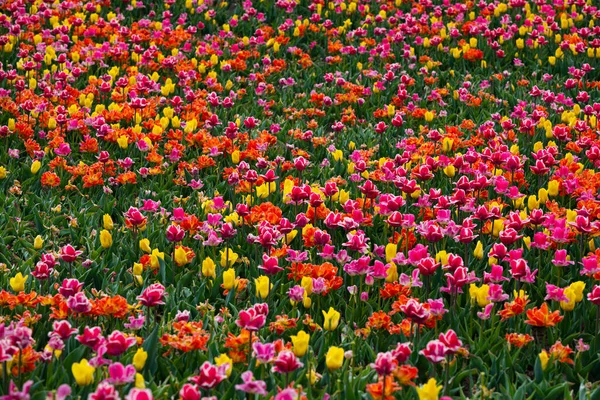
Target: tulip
(235,156)
(229,279)
(108,222)
(334,358)
(122,141)
(300,342)
(577,288)
(332,319)
(145,245)
(139,381)
(429,391)
(570,304)
(553,187)
(478,252)
(35,167)
(208,268)
(180,256)
(139,359)
(83,372)
(17,283)
(105,239)
(263,286)
(229,258)
(38,242)
(544,358)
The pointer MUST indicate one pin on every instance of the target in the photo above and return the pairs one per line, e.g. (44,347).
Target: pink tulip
(435,351)
(153,295)
(210,375)
(69,254)
(117,343)
(120,374)
(286,362)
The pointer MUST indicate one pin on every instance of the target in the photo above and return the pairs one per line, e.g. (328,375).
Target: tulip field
(299,199)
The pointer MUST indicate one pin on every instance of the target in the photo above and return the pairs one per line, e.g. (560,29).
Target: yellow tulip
(139,359)
(544,358)
(154,263)
(497,227)
(332,319)
(181,257)
(543,196)
(123,141)
(17,283)
(229,279)
(307,301)
(392,273)
(478,252)
(429,391)
(139,381)
(108,222)
(572,296)
(105,239)
(578,288)
(289,237)
(479,294)
(3,172)
(450,171)
(35,167)
(209,268)
(442,257)
(307,284)
(235,157)
(447,144)
(227,260)
(338,155)
(83,372)
(138,269)
(391,249)
(553,188)
(38,242)
(263,286)
(532,202)
(300,342)
(334,358)
(145,245)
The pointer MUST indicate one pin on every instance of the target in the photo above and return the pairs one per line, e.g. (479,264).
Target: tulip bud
(208,268)
(229,279)
(332,319)
(108,222)
(145,245)
(300,343)
(139,359)
(334,358)
(105,239)
(38,242)
(35,167)
(263,286)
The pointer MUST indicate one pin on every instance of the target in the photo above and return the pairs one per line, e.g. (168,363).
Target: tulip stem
(250,348)
(446,376)
(5,377)
(597,321)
